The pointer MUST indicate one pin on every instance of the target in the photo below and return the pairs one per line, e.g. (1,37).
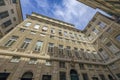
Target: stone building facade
(42,48)
(110,6)
(10,15)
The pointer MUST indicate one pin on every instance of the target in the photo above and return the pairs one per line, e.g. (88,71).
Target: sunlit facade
(42,48)
(10,15)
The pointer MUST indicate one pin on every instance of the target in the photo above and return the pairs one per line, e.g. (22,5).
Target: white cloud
(74,12)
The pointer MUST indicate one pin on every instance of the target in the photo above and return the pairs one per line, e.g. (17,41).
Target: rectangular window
(27,24)
(11,41)
(22,30)
(85,76)
(112,47)
(118,75)
(32,32)
(103,54)
(60,32)
(102,25)
(118,37)
(6,24)
(14,1)
(52,30)
(15,59)
(102,77)
(26,43)
(62,64)
(12,11)
(38,45)
(68,51)
(95,31)
(62,76)
(2,2)
(65,33)
(76,52)
(81,66)
(51,47)
(37,26)
(48,63)
(44,29)
(89,65)
(4,14)
(60,50)
(33,61)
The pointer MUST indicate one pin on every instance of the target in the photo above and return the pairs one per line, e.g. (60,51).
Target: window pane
(15,59)
(2,2)
(27,24)
(26,43)
(118,37)
(4,14)
(6,24)
(37,26)
(38,45)
(11,41)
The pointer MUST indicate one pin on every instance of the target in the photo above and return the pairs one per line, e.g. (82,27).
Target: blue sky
(70,11)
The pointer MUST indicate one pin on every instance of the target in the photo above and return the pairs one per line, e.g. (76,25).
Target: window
(52,36)
(95,31)
(62,75)
(52,30)
(14,18)
(60,32)
(26,43)
(22,30)
(81,66)
(118,75)
(76,52)
(102,77)
(4,14)
(112,47)
(103,54)
(42,34)
(14,1)
(32,32)
(62,64)
(48,63)
(51,47)
(96,66)
(38,45)
(27,24)
(85,76)
(15,59)
(33,61)
(68,52)
(36,26)
(102,25)
(2,2)
(96,55)
(109,30)
(6,24)
(11,41)
(65,33)
(89,65)
(60,50)
(118,37)
(71,35)
(12,11)
(44,29)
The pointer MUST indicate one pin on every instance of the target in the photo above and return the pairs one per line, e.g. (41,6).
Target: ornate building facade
(42,48)
(110,6)
(10,15)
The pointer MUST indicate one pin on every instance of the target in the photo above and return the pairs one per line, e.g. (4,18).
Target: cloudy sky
(70,11)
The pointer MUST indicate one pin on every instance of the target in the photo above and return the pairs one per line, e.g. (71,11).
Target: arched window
(27,76)
(74,75)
